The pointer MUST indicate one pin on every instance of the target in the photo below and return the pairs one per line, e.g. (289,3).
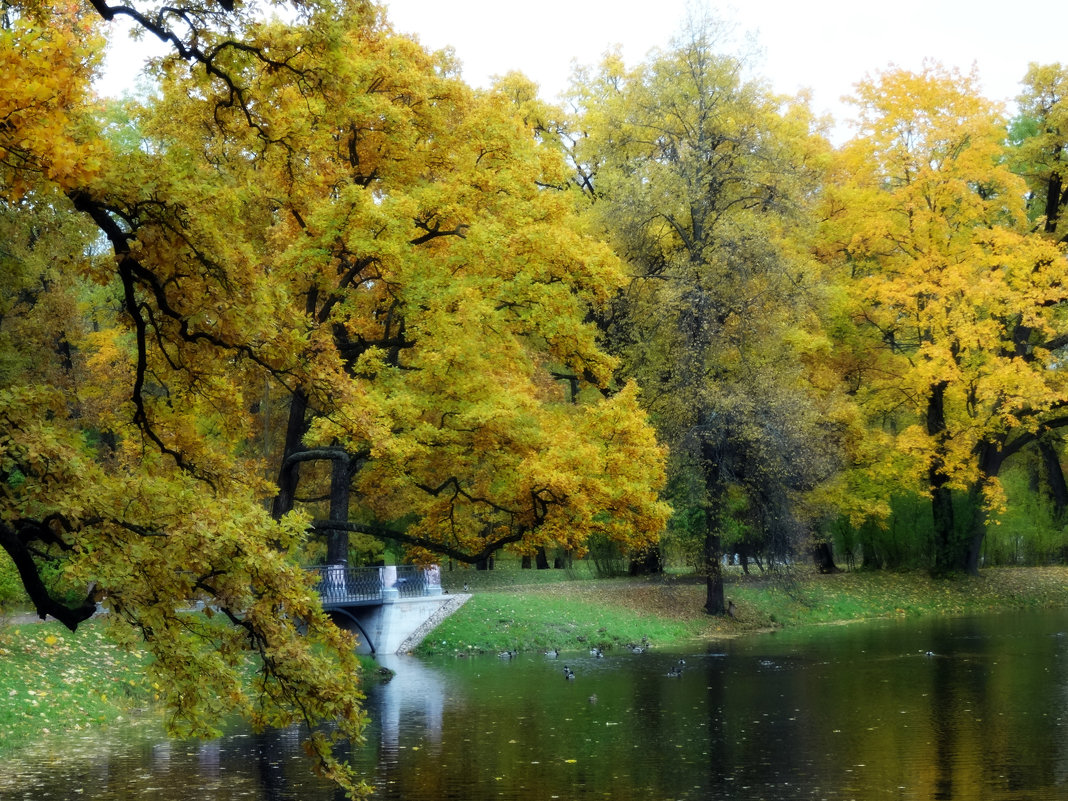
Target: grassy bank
(573,615)
(54,682)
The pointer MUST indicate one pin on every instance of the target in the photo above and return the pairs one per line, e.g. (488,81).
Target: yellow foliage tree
(959,312)
(1040,133)
(700,179)
(316,215)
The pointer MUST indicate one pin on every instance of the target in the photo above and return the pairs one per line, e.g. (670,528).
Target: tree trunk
(950,556)
(1053,201)
(990,460)
(1055,483)
(978,534)
(337,543)
(823,557)
(712,557)
(289,472)
(527,563)
(541,560)
(715,603)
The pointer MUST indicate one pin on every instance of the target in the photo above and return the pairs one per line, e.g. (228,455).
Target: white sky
(823,45)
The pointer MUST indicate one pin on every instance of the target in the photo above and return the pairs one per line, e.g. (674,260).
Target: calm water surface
(956,710)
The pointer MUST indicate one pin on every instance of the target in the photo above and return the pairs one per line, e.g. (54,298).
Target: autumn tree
(699,176)
(958,309)
(1040,133)
(120,462)
(321,213)
(426,251)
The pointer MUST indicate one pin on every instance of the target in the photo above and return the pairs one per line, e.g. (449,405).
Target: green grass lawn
(860,596)
(533,618)
(53,681)
(571,615)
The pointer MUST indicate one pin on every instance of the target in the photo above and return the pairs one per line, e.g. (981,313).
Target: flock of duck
(598,653)
(636,648)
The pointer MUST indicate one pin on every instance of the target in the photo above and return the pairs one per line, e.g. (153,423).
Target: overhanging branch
(420,542)
(15,544)
(1027,438)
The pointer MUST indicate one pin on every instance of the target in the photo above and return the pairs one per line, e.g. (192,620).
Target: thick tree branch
(1028,437)
(134,275)
(433,231)
(458,491)
(15,543)
(319,454)
(382,532)
(199,23)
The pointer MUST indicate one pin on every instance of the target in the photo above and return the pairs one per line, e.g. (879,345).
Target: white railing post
(334,582)
(433,580)
(388,574)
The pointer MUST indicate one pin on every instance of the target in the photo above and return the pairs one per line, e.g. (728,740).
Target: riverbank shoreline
(668,609)
(54,681)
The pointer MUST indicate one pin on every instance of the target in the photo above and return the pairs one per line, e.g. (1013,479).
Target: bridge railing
(340,584)
(412,581)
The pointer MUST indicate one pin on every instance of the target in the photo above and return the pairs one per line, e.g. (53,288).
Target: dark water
(852,712)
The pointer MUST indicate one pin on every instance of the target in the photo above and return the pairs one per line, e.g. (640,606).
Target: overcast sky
(822,45)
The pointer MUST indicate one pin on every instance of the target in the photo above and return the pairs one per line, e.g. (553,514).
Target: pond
(961,709)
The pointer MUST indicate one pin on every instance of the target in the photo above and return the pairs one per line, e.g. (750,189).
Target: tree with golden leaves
(315,219)
(700,177)
(958,309)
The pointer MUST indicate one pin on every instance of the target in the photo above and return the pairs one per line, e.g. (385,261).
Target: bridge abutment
(395,626)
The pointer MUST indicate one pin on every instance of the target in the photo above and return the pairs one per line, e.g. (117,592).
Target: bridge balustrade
(340,585)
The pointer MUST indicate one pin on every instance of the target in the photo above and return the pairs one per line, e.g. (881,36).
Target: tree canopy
(311,285)
(960,308)
(314,220)
(700,177)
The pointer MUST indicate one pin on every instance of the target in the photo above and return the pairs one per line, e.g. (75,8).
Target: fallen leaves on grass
(54,681)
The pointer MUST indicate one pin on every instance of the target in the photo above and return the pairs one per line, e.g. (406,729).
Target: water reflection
(954,710)
(416,696)
(858,712)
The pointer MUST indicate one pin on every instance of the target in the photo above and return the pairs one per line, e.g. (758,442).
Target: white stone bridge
(385,606)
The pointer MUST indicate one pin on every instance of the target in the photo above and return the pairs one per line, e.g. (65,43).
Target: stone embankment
(453,603)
